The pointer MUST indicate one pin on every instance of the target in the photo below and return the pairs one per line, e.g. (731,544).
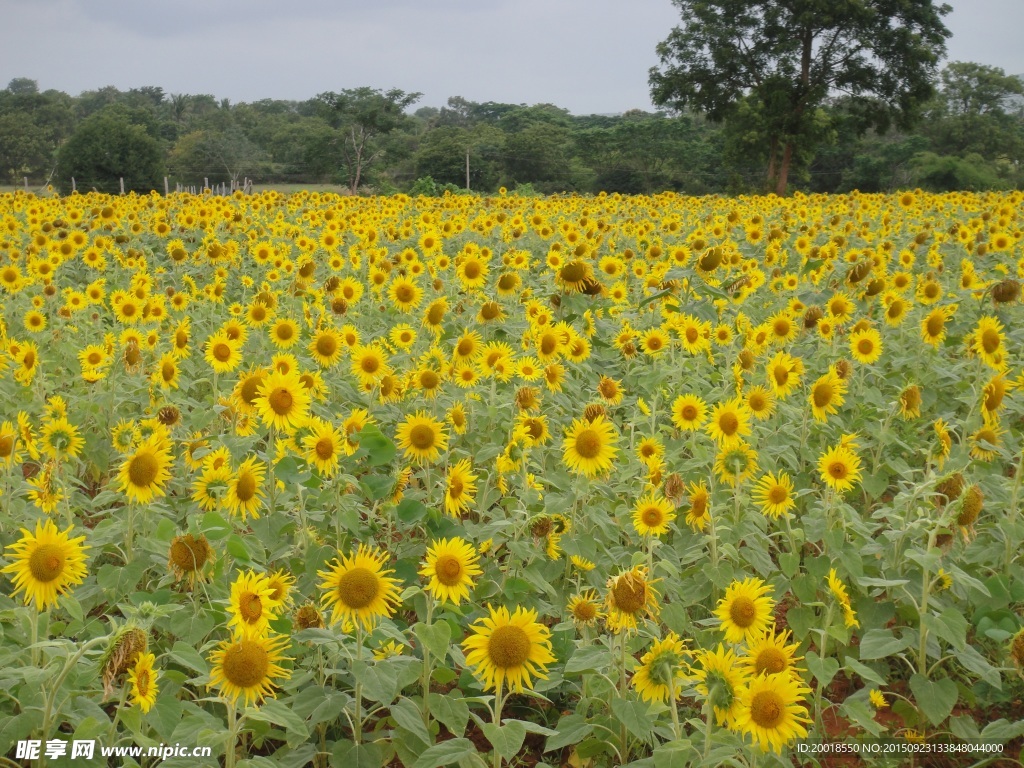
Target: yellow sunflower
(358,588)
(422,437)
(631,596)
(252,605)
(771,712)
(664,671)
(324,446)
(450,565)
(144,473)
(769,654)
(589,447)
(827,394)
(652,515)
(839,468)
(509,648)
(46,564)
(244,495)
(774,494)
(584,608)
(325,347)
(460,488)
(142,679)
(247,667)
(745,611)
(282,401)
(689,413)
(866,345)
(729,423)
(721,679)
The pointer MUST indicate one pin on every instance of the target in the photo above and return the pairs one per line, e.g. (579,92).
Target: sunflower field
(570,481)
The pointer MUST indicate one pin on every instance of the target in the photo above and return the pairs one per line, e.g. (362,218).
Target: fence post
(122,184)
(167,189)
(73,187)
(206,183)
(26,183)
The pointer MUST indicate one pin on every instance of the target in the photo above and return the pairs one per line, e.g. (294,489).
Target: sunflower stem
(1017,477)
(623,733)
(51,697)
(709,713)
(357,721)
(426,665)
(229,752)
(673,707)
(117,713)
(35,637)
(922,653)
(496,719)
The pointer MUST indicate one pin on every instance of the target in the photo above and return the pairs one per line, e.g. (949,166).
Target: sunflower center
(823,394)
(653,343)
(781,328)
(837,469)
(245,664)
(142,682)
(509,647)
(250,607)
(767,709)
(770,661)
(472,270)
(435,314)
(588,444)
(689,412)
(936,324)
(250,388)
(7,445)
(651,516)
(47,562)
(585,611)
(728,423)
(448,570)
(573,272)
(422,437)
(404,293)
(324,448)
(281,401)
(630,594)
(358,587)
(990,340)
(865,346)
(757,402)
(742,611)
(284,332)
(245,488)
(778,494)
(536,429)
(781,375)
(143,469)
(326,345)
(465,348)
(369,364)
(222,352)
(455,487)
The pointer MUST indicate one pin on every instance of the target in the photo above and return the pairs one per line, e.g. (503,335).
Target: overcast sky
(589,56)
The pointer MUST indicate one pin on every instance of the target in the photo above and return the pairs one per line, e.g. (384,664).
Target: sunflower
(451,566)
(405,293)
(771,712)
(59,438)
(142,679)
(699,512)
(422,437)
(838,590)
(985,441)
(533,428)
(589,447)
(663,671)
(774,494)
(247,667)
(652,515)
(509,648)
(358,588)
(631,596)
(282,401)
(584,608)
(839,468)
(460,488)
(188,556)
(721,679)
(323,446)
(784,372)
(284,333)
(650,451)
(827,394)
(325,347)
(760,401)
(866,345)
(9,453)
(252,605)
(222,353)
(768,654)
(745,611)
(654,342)
(610,390)
(729,423)
(144,473)
(689,412)
(45,564)
(736,464)
(987,342)
(244,495)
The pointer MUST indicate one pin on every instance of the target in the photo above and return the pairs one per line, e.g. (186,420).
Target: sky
(588,56)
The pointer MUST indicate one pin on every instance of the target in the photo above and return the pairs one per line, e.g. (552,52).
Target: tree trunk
(772,159)
(467,170)
(787,155)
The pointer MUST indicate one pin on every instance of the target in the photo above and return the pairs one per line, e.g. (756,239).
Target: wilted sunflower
(46,564)
(247,667)
(144,473)
(631,596)
(589,447)
(508,649)
(358,588)
(663,667)
(450,565)
(745,611)
(188,556)
(421,437)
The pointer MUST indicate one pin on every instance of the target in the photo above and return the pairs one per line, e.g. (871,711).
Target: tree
(781,59)
(215,155)
(360,118)
(106,147)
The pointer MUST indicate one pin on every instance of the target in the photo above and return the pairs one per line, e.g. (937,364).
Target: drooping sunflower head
(631,596)
(188,556)
(664,670)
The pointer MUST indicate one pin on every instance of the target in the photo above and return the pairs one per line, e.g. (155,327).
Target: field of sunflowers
(515,480)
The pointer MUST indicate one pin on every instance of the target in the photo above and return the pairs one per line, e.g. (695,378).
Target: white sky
(589,56)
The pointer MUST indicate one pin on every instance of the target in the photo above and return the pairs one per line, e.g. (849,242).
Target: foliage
(106,147)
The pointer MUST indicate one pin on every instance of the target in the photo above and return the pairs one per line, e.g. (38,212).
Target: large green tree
(774,63)
(108,146)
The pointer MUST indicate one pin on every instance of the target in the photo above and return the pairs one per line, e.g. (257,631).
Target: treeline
(970,136)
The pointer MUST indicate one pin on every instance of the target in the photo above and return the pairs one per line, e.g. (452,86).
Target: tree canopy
(773,64)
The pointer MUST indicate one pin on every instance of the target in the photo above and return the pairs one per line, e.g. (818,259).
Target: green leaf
(572,729)
(822,669)
(376,487)
(380,450)
(506,739)
(979,665)
(451,712)
(356,755)
(587,660)
(435,637)
(445,753)
(380,680)
(950,625)
(675,753)
(880,644)
(789,563)
(865,672)
(188,657)
(935,698)
(633,714)
(408,716)
(861,713)
(411,511)
(291,471)
(1002,730)
(276,713)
